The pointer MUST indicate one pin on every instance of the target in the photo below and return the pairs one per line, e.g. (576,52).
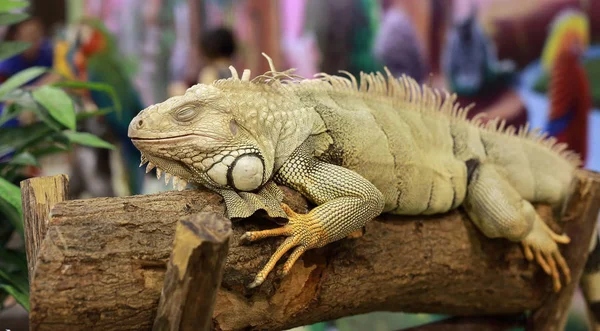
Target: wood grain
(38,196)
(194,273)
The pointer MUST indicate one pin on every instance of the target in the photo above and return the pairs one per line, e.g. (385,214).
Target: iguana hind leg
(499,211)
(346,201)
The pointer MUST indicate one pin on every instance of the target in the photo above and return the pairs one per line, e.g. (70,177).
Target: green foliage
(12,48)
(58,104)
(87,139)
(21,147)
(19,79)
(7,6)
(9,19)
(97,87)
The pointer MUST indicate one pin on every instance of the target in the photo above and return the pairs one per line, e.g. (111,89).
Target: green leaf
(6,228)
(10,5)
(9,112)
(87,139)
(22,100)
(13,261)
(13,217)
(88,114)
(12,18)
(18,280)
(3,296)
(20,78)
(9,49)
(21,297)
(58,103)
(10,193)
(10,204)
(49,150)
(20,138)
(93,86)
(24,159)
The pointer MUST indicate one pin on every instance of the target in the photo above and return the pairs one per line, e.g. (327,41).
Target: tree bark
(38,196)
(102,266)
(194,273)
(582,215)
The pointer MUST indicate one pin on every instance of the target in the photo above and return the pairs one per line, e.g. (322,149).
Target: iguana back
(415,149)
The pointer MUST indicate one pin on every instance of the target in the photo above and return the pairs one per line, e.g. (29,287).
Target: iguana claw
(301,233)
(541,245)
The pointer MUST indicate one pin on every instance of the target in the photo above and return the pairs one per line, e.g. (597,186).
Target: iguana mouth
(175,167)
(176,138)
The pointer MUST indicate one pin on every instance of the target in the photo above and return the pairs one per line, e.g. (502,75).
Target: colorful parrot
(87,52)
(569,89)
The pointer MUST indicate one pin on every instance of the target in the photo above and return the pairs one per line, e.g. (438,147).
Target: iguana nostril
(140,123)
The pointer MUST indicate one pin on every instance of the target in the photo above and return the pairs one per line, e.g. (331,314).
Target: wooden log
(38,196)
(581,217)
(102,266)
(194,273)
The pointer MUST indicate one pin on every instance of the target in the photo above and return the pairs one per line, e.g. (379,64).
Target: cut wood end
(209,226)
(193,231)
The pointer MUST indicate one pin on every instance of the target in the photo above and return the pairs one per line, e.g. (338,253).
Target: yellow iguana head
(569,32)
(196,138)
(228,135)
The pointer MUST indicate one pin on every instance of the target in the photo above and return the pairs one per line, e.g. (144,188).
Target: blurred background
(535,61)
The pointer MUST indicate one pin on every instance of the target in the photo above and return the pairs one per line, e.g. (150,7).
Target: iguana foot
(540,244)
(302,231)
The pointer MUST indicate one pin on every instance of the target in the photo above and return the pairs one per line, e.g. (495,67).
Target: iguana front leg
(346,201)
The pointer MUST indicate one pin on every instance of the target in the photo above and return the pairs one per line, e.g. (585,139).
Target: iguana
(355,149)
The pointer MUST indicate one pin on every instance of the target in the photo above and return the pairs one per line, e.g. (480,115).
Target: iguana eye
(185,114)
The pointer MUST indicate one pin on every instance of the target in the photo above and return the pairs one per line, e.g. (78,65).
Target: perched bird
(87,52)
(569,88)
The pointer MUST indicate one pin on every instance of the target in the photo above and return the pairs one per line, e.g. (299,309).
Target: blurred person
(474,72)
(218,48)
(397,45)
(39,54)
(345,33)
(470,62)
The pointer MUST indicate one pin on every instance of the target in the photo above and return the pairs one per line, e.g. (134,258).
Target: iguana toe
(540,244)
(301,233)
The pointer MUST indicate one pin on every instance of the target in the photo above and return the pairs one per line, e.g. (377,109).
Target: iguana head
(229,135)
(196,137)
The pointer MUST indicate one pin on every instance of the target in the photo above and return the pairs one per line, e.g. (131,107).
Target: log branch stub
(580,217)
(103,262)
(38,196)
(194,273)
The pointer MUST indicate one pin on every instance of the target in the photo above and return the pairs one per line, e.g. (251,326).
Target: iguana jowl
(385,145)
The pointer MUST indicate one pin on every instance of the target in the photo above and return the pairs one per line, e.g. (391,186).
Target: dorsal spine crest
(401,92)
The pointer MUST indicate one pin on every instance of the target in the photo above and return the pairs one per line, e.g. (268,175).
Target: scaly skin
(389,146)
